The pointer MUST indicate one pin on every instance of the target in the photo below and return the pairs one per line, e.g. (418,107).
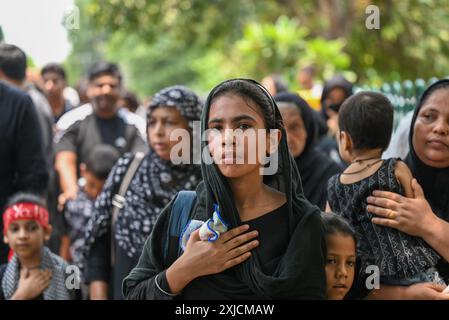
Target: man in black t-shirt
(99,122)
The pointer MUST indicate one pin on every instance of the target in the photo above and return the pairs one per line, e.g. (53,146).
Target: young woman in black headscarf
(153,185)
(335,92)
(314,166)
(427,214)
(287,259)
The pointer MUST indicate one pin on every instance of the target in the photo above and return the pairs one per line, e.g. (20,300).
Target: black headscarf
(314,167)
(337,81)
(434,181)
(295,276)
(179,97)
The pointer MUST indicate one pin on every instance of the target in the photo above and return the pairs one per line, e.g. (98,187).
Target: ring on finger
(391,214)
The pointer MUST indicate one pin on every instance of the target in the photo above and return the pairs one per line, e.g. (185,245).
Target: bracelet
(163,291)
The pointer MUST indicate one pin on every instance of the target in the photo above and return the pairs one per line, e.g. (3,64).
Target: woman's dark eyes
(244,126)
(350,264)
(294,128)
(428,117)
(168,123)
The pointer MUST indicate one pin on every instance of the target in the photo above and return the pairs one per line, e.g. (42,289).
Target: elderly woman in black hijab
(287,259)
(427,214)
(314,166)
(153,185)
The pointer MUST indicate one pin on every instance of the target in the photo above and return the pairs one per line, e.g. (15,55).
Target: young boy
(33,272)
(77,212)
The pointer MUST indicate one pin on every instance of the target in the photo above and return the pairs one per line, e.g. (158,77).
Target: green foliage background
(201,42)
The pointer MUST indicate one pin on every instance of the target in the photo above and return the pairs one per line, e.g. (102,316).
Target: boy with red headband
(33,272)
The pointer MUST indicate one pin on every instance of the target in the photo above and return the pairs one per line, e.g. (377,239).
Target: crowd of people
(87,180)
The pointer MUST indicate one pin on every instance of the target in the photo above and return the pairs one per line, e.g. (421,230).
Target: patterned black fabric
(155,183)
(397,254)
(77,214)
(181,98)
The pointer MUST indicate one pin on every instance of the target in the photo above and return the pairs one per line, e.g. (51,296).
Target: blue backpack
(179,219)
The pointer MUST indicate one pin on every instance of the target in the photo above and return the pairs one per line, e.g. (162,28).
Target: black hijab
(434,181)
(337,81)
(314,166)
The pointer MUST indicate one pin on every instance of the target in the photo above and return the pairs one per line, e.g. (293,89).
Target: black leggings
(123,266)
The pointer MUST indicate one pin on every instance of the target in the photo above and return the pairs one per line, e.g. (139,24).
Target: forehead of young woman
(235,108)
(253,97)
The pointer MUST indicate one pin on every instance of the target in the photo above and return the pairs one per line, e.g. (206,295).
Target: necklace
(369,165)
(361,160)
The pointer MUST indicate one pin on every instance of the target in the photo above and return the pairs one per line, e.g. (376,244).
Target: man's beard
(105,103)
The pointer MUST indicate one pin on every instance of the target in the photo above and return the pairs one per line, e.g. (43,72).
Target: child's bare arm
(328,207)
(64,249)
(404,176)
(98,290)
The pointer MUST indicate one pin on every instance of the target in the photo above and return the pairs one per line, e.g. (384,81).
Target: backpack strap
(131,134)
(179,218)
(118,200)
